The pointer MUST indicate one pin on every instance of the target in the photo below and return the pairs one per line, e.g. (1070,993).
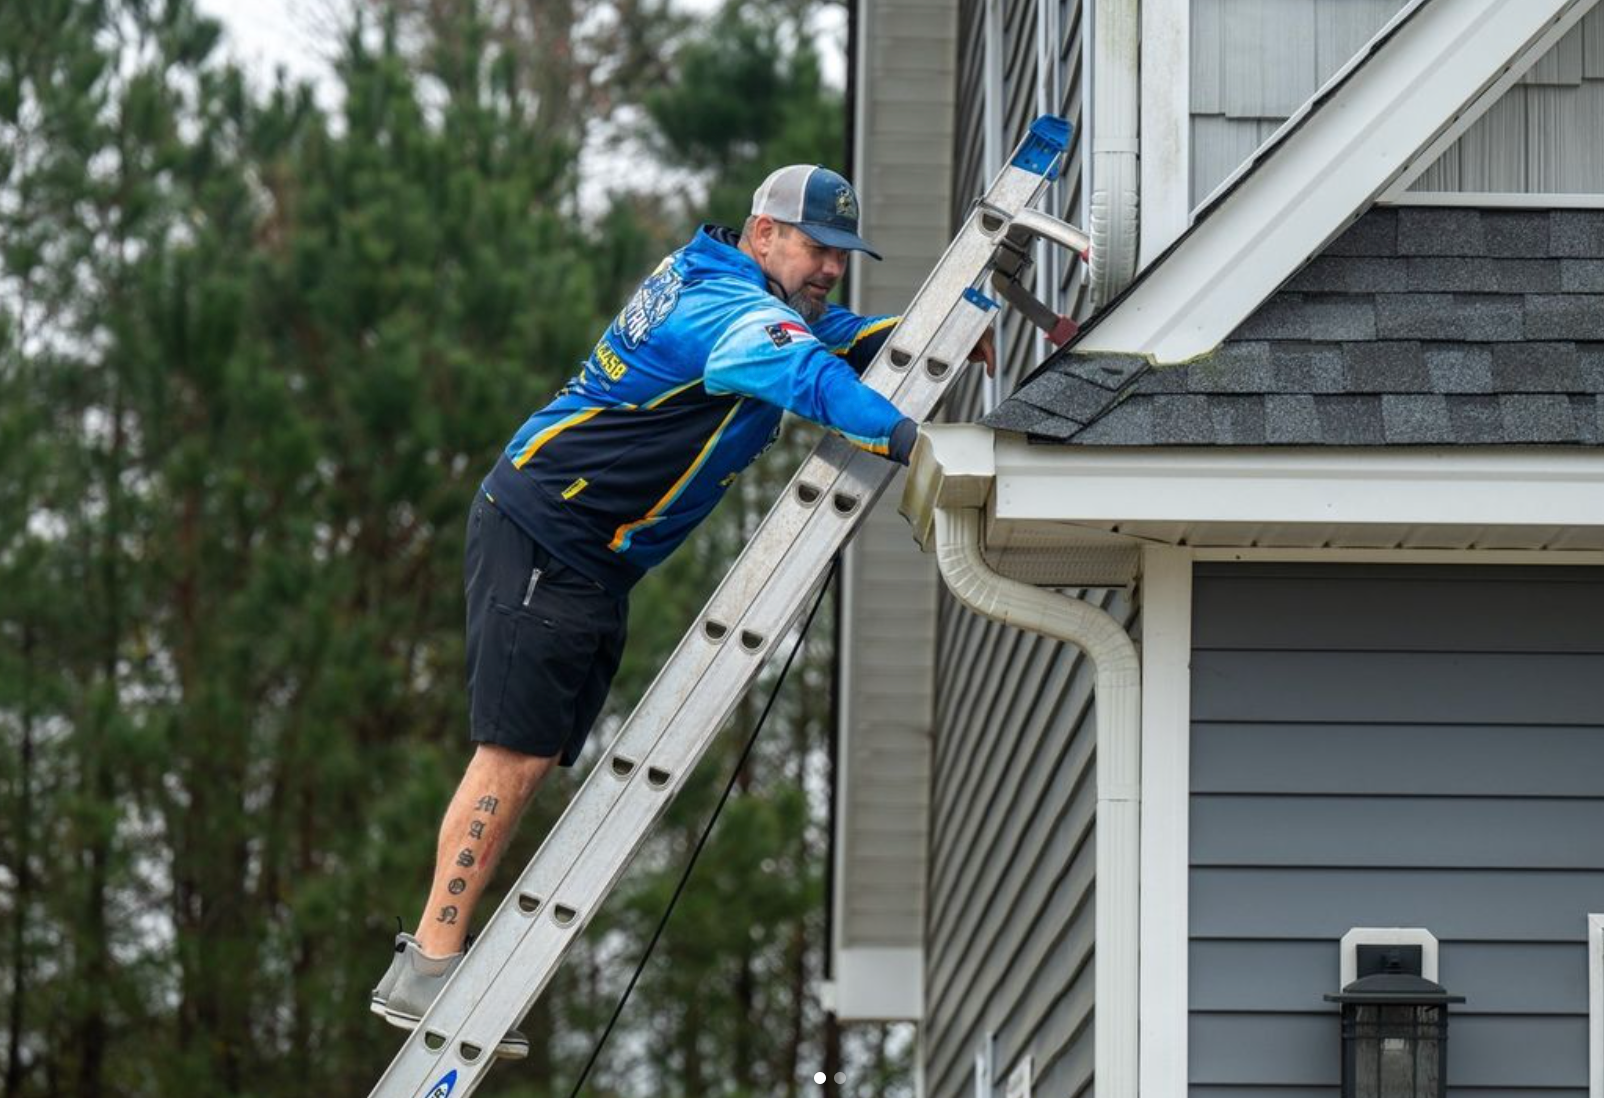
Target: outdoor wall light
(1394,1027)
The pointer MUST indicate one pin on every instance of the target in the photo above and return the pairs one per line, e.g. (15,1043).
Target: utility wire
(729,787)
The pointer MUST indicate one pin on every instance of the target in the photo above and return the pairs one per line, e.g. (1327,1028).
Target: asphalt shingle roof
(1416,327)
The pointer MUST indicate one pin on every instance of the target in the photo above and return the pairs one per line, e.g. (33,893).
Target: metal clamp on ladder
(590,846)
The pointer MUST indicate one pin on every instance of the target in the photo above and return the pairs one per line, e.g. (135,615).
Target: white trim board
(1507,200)
(1518,557)
(1166,129)
(1166,594)
(1595,1005)
(1413,85)
(1423,486)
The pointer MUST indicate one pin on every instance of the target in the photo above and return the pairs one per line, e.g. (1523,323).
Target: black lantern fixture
(1394,1027)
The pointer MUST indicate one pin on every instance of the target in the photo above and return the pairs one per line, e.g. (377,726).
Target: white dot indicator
(818,1077)
(840,1078)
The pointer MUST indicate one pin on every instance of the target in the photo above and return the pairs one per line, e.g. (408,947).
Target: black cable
(729,787)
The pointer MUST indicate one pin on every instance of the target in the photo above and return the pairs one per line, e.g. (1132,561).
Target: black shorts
(543,641)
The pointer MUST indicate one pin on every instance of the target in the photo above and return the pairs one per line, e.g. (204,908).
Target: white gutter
(1119,773)
(1116,35)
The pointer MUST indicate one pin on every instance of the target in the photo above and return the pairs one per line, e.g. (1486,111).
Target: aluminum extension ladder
(587,851)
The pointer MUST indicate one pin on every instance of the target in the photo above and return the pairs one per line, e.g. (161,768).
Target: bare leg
(479,823)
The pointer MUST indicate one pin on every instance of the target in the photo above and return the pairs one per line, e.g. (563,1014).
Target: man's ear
(764,230)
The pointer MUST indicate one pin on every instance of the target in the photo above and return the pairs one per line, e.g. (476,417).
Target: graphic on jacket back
(685,389)
(649,307)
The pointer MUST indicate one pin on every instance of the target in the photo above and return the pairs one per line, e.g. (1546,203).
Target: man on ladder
(684,390)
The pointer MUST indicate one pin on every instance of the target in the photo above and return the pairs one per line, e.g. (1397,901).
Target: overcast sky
(264,35)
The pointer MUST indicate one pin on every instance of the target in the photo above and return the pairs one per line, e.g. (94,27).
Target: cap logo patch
(846,203)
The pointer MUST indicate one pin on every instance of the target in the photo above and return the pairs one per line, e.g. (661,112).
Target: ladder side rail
(682,679)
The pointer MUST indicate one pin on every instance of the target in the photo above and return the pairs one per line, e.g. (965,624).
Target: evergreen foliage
(254,357)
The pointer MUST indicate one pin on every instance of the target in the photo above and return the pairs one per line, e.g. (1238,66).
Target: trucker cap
(816,200)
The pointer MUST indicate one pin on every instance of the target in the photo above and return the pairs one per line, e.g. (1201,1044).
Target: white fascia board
(1420,487)
(1322,175)
(1500,200)
(879,985)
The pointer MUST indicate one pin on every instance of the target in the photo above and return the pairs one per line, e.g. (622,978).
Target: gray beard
(809,309)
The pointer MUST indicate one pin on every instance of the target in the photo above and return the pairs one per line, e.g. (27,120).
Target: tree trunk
(23,869)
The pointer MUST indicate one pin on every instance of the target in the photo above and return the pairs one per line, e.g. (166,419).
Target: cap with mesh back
(816,200)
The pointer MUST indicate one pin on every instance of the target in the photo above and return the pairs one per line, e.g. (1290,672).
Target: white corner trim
(1166,130)
(1293,202)
(1421,486)
(1166,594)
(1429,155)
(1595,1005)
(879,985)
(1387,935)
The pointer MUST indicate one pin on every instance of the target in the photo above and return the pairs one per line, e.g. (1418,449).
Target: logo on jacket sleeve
(787,332)
(649,307)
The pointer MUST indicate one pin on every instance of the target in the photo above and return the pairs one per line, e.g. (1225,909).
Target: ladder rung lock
(657,777)
(563,914)
(937,368)
(845,504)
(990,223)
(433,1040)
(900,358)
(715,630)
(751,641)
(623,767)
(470,1051)
(808,493)
(528,904)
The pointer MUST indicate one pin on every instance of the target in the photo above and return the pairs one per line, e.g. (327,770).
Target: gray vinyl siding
(1255,62)
(1394,746)
(1009,931)
(1019,349)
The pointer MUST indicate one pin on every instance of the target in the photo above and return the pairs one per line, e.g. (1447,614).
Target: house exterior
(1318,499)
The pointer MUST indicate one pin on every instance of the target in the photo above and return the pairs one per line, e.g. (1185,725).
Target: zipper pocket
(534,578)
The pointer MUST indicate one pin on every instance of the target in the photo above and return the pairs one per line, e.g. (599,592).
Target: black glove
(903,436)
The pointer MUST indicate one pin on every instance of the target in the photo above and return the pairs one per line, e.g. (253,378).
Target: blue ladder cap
(1048,138)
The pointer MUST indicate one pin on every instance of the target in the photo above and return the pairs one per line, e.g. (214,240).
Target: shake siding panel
(1009,936)
(1394,746)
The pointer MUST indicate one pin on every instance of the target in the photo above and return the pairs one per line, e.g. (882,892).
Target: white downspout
(1119,773)
(1116,32)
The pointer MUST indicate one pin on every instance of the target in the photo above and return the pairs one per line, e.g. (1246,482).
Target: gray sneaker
(412,984)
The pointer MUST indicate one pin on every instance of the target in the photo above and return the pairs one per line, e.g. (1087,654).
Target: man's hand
(986,351)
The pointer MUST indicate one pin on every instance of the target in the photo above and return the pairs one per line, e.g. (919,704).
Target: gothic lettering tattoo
(476,829)
(487,804)
(465,858)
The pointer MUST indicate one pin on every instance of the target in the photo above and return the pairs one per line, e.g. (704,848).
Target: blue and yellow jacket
(683,391)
